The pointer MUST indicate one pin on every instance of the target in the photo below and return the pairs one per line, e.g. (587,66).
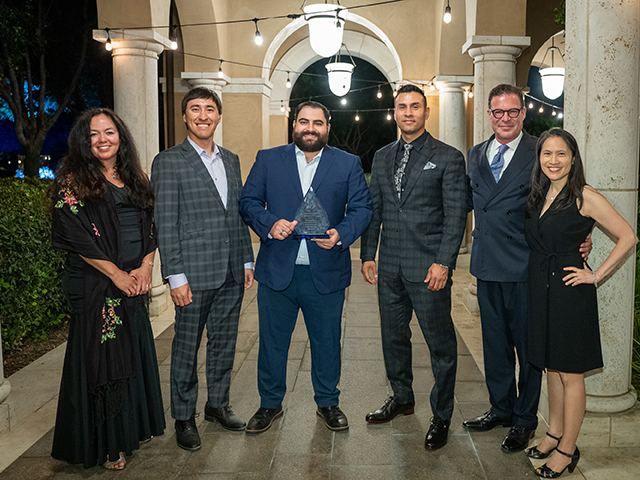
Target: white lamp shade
(552,82)
(325,31)
(339,77)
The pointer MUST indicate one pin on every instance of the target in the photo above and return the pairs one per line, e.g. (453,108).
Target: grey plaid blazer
(426,226)
(197,236)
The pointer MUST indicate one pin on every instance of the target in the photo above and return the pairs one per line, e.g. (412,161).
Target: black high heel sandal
(536,454)
(546,472)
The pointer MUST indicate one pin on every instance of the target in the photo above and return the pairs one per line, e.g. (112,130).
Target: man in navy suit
(499,173)
(296,273)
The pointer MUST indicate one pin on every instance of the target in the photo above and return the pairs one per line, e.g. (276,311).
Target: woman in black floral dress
(110,398)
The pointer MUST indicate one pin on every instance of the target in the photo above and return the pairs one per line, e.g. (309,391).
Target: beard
(312,145)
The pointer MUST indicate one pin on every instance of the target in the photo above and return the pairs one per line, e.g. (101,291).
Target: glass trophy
(312,218)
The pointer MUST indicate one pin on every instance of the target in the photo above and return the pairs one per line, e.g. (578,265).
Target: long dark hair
(84,171)
(576,181)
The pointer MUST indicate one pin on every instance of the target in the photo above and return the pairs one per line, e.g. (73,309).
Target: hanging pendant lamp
(339,74)
(552,77)
(326,26)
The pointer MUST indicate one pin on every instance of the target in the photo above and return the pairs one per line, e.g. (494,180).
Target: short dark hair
(408,88)
(201,92)
(506,89)
(312,104)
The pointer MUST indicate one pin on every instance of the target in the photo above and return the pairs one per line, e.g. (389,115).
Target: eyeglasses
(512,112)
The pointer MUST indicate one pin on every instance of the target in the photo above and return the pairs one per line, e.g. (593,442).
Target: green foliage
(560,13)
(32,299)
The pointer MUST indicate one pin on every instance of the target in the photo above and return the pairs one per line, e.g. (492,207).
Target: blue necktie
(498,162)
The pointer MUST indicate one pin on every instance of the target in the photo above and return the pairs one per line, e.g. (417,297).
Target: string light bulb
(357,117)
(281,106)
(530,105)
(554,113)
(379,94)
(258,37)
(395,93)
(470,93)
(220,72)
(388,114)
(560,115)
(541,109)
(343,101)
(288,80)
(432,87)
(447,14)
(108,45)
(174,38)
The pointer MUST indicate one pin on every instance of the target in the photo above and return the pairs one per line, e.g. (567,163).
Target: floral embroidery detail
(151,233)
(111,320)
(68,197)
(95,229)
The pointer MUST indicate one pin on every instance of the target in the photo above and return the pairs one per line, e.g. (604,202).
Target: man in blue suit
(296,273)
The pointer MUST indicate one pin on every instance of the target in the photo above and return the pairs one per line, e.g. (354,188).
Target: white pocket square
(429,166)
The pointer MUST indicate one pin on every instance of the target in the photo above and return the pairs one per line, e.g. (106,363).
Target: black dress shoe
(437,434)
(389,411)
(486,422)
(334,418)
(517,439)
(187,434)
(262,420)
(224,416)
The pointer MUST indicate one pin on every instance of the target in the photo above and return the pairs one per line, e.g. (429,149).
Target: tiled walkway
(299,445)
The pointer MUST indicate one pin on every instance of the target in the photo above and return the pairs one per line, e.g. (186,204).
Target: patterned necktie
(498,162)
(400,172)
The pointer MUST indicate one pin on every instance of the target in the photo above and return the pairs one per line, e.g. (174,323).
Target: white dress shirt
(306,171)
(494,146)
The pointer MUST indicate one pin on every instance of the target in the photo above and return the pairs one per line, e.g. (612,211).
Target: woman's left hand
(578,276)
(142,274)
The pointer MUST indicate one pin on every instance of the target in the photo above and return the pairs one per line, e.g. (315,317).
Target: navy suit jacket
(500,252)
(273,191)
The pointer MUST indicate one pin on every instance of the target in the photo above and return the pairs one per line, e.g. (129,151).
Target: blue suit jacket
(273,191)
(500,252)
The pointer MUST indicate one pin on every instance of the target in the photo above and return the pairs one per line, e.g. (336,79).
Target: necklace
(551,198)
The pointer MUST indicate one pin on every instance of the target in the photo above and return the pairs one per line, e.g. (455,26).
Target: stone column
(135,91)
(213,82)
(601,110)
(494,62)
(453,116)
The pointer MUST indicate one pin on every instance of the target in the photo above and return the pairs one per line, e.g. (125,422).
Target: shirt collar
(513,144)
(300,154)
(200,150)
(418,143)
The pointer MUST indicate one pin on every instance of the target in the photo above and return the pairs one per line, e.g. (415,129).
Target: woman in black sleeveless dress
(564,335)
(110,398)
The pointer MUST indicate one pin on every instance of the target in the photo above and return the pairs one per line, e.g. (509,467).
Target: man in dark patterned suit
(419,193)
(207,258)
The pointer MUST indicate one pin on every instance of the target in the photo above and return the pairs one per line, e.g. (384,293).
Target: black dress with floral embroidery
(110,397)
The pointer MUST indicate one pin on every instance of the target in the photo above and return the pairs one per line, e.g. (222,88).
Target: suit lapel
(426,153)
(230,172)
(326,161)
(389,168)
(192,157)
(484,167)
(291,169)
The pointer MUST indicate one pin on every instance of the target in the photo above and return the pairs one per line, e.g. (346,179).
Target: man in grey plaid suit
(207,258)
(419,194)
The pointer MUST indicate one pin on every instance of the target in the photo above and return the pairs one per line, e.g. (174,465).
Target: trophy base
(297,235)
